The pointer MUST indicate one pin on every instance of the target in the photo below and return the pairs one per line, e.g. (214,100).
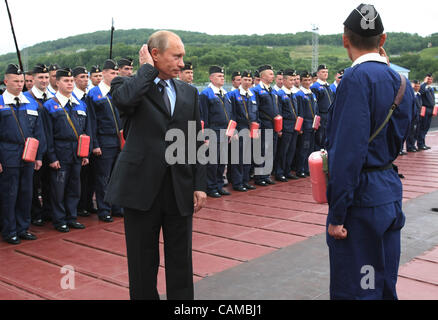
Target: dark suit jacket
(141,166)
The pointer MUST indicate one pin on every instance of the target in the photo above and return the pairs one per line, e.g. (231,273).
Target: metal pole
(15,38)
(112,37)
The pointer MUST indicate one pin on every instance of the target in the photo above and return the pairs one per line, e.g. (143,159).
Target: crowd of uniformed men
(57,106)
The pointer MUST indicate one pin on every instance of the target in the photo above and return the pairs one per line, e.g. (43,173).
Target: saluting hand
(145,56)
(337,232)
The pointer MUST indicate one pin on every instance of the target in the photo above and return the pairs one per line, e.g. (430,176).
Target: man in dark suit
(155,194)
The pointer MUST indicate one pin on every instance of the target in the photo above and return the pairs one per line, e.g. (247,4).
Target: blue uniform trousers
(16,199)
(305,148)
(240,172)
(215,171)
(65,190)
(320,134)
(286,153)
(103,169)
(41,180)
(413,134)
(364,266)
(87,186)
(267,145)
(424,127)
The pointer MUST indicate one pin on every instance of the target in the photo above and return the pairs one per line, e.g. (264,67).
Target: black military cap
(365,21)
(305,74)
(187,66)
(322,67)
(290,72)
(95,69)
(429,75)
(13,69)
(110,65)
(314,75)
(256,74)
(54,67)
(416,82)
(236,74)
(79,70)
(246,74)
(264,68)
(125,62)
(65,72)
(40,68)
(341,72)
(280,73)
(216,69)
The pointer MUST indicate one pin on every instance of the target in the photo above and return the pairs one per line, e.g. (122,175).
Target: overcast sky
(41,20)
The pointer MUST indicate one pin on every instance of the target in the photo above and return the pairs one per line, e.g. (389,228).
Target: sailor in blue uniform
(279,80)
(105,120)
(41,180)
(308,106)
(267,102)
(216,112)
(246,112)
(415,125)
(126,67)
(288,143)
(364,191)
(324,96)
(66,119)
(20,119)
(428,96)
(52,78)
(338,79)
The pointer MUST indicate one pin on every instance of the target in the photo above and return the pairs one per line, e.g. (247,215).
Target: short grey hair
(160,40)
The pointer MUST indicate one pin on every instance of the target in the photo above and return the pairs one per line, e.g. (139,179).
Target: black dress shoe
(428,148)
(291,177)
(240,189)
(38,222)
(434,209)
(423,148)
(63,228)
(249,187)
(261,183)
(269,181)
(281,179)
(224,192)
(76,225)
(92,210)
(107,218)
(27,236)
(301,175)
(13,240)
(412,150)
(214,195)
(83,213)
(402,153)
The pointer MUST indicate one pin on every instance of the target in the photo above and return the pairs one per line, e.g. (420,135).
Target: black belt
(376,169)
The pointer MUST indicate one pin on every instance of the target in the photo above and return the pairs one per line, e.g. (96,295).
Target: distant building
(403,71)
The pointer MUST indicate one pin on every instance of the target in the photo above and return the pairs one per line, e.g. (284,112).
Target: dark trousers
(286,153)
(240,172)
(65,193)
(320,134)
(87,186)
(16,199)
(215,171)
(413,134)
(103,169)
(364,266)
(424,127)
(142,231)
(267,146)
(41,181)
(305,148)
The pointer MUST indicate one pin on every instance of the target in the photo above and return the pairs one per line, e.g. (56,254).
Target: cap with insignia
(235,74)
(54,67)
(365,21)
(79,70)
(314,75)
(429,75)
(187,66)
(264,68)
(95,69)
(40,68)
(322,67)
(110,65)
(13,69)
(216,69)
(416,82)
(246,74)
(341,72)
(280,73)
(305,74)
(65,72)
(256,74)
(290,72)
(125,62)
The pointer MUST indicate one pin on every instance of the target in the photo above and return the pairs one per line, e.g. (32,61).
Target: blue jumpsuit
(428,99)
(364,192)
(309,107)
(16,180)
(216,112)
(62,146)
(267,102)
(105,137)
(245,111)
(288,142)
(324,96)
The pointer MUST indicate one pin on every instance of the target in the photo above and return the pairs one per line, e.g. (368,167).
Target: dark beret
(429,75)
(246,74)
(54,67)
(216,69)
(79,70)
(13,69)
(365,21)
(264,68)
(64,72)
(290,72)
(280,73)
(40,68)
(256,74)
(305,74)
(95,69)
(314,75)
(416,82)
(125,62)
(110,65)
(187,66)
(322,67)
(236,74)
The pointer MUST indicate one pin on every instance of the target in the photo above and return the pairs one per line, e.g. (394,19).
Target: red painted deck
(228,232)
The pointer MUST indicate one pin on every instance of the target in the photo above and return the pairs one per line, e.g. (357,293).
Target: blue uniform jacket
(324,96)
(308,106)
(428,96)
(363,100)
(11,140)
(215,113)
(104,128)
(418,104)
(62,143)
(333,87)
(245,109)
(268,106)
(289,110)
